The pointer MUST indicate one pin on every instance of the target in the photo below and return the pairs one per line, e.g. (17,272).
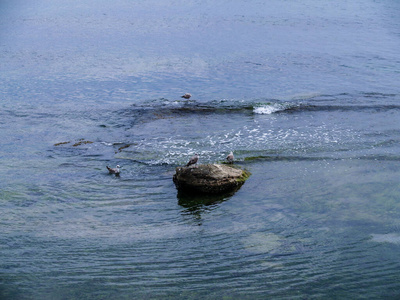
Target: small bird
(193,160)
(114,170)
(230,158)
(186,96)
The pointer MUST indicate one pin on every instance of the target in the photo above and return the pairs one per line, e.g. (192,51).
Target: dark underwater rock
(209,179)
(78,143)
(82,142)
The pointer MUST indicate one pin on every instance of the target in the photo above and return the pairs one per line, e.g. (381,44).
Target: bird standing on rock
(230,158)
(186,96)
(114,170)
(193,160)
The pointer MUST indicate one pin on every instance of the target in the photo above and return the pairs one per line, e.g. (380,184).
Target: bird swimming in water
(186,96)
(230,158)
(193,160)
(114,170)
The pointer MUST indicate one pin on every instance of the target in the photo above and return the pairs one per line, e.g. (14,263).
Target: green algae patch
(245,175)
(250,158)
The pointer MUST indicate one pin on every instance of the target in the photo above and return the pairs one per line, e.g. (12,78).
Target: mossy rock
(209,179)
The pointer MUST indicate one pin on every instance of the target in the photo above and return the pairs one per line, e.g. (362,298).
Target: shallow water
(304,93)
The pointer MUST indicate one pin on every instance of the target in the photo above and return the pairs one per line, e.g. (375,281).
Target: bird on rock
(114,170)
(230,158)
(193,160)
(186,96)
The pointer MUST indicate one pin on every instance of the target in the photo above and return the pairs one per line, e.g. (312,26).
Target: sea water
(305,94)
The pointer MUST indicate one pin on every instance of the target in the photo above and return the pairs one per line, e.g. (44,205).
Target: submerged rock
(61,143)
(78,143)
(260,242)
(82,142)
(209,179)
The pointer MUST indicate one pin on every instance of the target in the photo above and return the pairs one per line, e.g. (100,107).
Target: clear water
(306,95)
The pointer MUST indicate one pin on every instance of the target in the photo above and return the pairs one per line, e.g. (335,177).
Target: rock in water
(209,179)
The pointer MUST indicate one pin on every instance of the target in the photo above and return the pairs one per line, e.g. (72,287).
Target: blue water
(306,95)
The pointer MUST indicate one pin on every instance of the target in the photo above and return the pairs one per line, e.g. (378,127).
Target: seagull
(186,96)
(230,158)
(113,170)
(193,160)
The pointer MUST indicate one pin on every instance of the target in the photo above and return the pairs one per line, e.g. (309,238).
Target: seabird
(193,160)
(186,96)
(230,157)
(113,170)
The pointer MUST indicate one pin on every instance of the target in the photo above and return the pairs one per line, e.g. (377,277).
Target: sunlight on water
(262,242)
(393,238)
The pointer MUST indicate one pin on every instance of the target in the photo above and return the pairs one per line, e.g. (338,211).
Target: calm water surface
(306,95)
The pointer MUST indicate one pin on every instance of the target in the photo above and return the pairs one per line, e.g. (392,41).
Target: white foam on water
(268,109)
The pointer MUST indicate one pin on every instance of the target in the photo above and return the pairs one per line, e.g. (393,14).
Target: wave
(164,132)
(278,108)
(160,108)
(269,109)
